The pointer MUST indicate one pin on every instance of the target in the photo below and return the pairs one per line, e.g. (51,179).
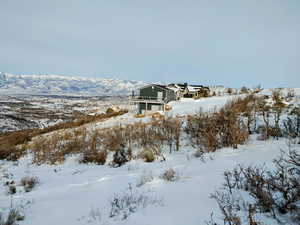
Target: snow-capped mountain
(64,85)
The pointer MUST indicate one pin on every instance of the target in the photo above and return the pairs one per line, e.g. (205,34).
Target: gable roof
(196,86)
(177,87)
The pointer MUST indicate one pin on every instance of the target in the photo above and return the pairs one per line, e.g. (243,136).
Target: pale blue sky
(228,42)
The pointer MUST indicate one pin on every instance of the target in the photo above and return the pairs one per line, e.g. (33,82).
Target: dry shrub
(9,144)
(232,129)
(171,131)
(291,126)
(267,132)
(202,132)
(94,152)
(290,95)
(44,150)
(275,131)
(12,217)
(121,156)
(144,135)
(116,137)
(169,175)
(277,109)
(9,141)
(228,127)
(277,95)
(210,131)
(124,204)
(81,131)
(147,155)
(271,115)
(274,194)
(53,149)
(94,156)
(147,135)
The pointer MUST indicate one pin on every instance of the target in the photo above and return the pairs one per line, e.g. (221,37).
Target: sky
(214,42)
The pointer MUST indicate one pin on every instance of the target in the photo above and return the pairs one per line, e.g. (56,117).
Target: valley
(19,112)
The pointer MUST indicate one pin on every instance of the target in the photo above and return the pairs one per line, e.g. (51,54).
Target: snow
(190,106)
(67,193)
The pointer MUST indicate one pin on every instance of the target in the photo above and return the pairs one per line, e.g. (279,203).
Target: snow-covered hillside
(79,194)
(64,85)
(73,193)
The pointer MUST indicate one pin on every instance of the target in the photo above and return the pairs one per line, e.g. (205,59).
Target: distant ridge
(64,85)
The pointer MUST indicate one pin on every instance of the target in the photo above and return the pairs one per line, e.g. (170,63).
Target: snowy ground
(190,106)
(68,193)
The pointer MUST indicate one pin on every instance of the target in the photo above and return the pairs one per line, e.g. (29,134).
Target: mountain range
(65,85)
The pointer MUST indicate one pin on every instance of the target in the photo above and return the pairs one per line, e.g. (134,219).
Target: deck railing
(146,98)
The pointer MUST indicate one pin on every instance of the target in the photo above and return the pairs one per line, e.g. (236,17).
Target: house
(153,97)
(189,91)
(179,89)
(197,91)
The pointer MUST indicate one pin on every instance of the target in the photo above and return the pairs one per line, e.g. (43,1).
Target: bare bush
(171,128)
(224,128)
(94,156)
(14,215)
(169,175)
(147,155)
(52,149)
(121,156)
(202,132)
(127,203)
(275,194)
(229,207)
(94,152)
(291,94)
(10,142)
(265,112)
(291,126)
(248,108)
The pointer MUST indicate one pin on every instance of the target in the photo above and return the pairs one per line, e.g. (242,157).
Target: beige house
(189,91)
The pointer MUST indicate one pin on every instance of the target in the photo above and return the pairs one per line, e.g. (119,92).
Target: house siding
(151,91)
